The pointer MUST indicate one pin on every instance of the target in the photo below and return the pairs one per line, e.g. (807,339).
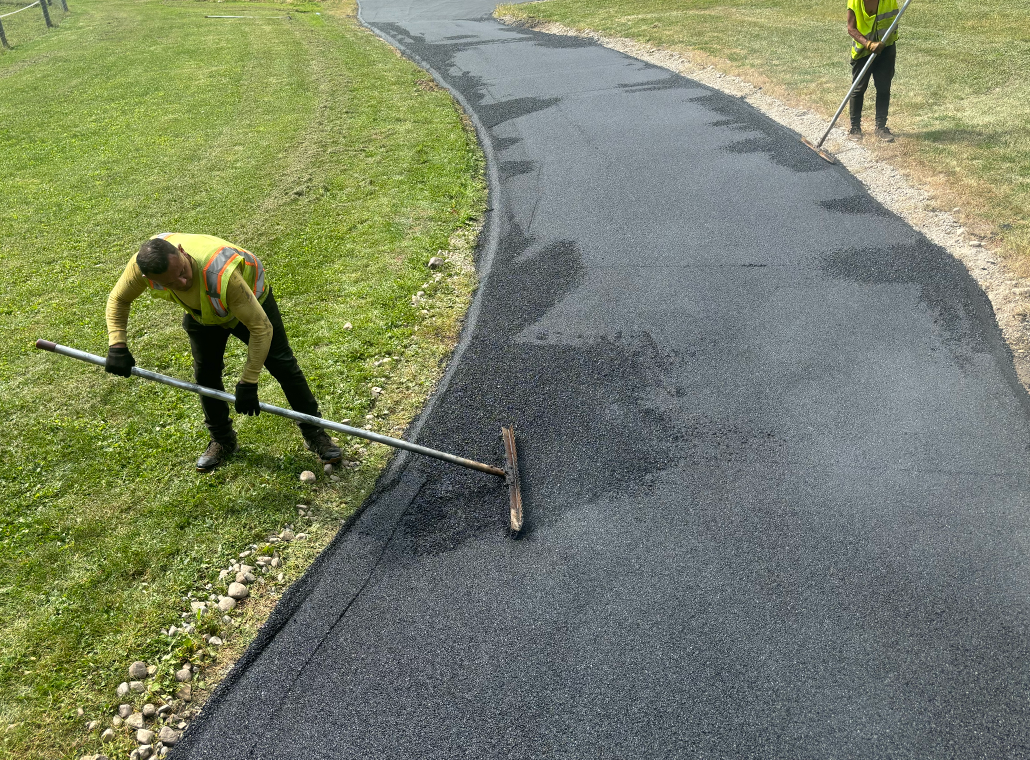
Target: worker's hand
(247,399)
(119,361)
(875,46)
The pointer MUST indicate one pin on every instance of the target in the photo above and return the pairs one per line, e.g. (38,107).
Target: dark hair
(153,256)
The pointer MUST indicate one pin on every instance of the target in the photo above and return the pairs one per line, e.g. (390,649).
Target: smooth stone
(215,641)
(328,469)
(137,687)
(122,690)
(307,477)
(135,721)
(185,693)
(183,675)
(226,604)
(149,710)
(137,671)
(116,721)
(238,591)
(108,735)
(168,736)
(144,736)
(276,561)
(91,725)
(287,535)
(145,751)
(124,711)
(163,710)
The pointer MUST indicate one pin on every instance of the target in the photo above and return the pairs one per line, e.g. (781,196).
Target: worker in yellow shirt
(868,23)
(223,291)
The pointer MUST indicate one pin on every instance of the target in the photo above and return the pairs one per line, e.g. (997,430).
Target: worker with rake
(222,288)
(868,21)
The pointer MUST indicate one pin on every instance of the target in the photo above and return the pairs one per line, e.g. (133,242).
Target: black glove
(119,361)
(247,400)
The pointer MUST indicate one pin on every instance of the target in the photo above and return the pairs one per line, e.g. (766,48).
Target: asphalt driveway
(773,447)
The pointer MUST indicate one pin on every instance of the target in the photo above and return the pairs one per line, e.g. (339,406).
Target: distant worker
(223,291)
(868,22)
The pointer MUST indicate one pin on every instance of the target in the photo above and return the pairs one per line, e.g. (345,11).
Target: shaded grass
(961,99)
(309,142)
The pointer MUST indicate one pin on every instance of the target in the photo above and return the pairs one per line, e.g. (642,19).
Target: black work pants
(882,72)
(207,342)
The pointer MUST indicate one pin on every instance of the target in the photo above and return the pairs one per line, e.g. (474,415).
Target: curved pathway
(775,459)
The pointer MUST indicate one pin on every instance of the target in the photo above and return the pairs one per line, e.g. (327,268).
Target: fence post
(46,14)
(3,39)
(64,5)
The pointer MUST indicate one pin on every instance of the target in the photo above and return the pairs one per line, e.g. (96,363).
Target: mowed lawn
(305,139)
(960,100)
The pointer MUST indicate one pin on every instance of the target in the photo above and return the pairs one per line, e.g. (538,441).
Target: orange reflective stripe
(251,260)
(213,278)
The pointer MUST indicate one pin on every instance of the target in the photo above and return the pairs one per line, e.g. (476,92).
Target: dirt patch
(894,189)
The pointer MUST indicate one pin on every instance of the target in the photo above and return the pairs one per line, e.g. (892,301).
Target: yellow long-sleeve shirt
(240,299)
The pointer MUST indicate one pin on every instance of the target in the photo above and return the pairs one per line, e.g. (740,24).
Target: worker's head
(165,264)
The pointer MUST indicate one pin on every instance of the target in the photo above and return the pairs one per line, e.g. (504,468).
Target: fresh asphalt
(773,448)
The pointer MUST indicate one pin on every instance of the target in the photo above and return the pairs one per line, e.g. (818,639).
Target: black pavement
(774,451)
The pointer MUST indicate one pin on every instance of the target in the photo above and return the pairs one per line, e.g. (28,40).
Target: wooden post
(3,39)
(46,14)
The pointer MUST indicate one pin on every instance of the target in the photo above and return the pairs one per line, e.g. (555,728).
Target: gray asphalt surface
(773,447)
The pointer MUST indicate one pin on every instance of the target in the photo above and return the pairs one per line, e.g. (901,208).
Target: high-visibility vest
(217,260)
(873,27)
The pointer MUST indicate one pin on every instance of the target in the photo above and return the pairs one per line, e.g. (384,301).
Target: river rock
(149,711)
(137,671)
(168,736)
(135,721)
(124,711)
(307,477)
(144,736)
(122,690)
(183,675)
(226,604)
(238,591)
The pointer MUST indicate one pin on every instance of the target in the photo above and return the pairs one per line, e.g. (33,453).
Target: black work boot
(323,445)
(215,453)
(856,134)
(884,134)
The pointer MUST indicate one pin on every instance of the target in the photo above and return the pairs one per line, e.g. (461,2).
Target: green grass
(306,140)
(961,98)
(28,25)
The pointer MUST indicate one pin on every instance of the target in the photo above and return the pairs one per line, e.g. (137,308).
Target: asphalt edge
(301,589)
